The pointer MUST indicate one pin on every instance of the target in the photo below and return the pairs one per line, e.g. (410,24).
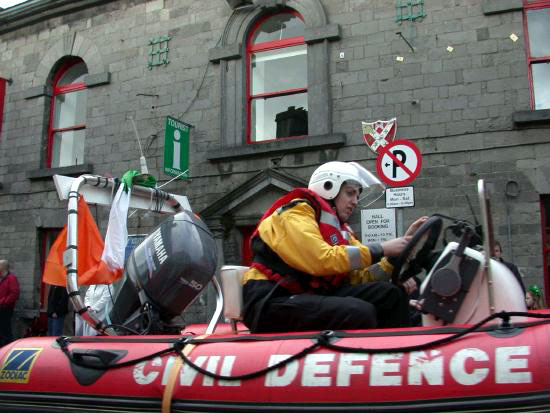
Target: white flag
(117,230)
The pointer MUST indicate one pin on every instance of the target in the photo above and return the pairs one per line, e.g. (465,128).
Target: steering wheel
(406,265)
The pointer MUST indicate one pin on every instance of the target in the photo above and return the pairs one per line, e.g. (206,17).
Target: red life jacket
(332,230)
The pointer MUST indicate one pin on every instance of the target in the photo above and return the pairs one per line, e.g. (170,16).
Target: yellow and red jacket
(301,243)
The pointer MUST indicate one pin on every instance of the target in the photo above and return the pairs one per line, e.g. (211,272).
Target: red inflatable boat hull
(488,370)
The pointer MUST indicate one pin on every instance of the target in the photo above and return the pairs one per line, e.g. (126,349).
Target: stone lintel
(318,34)
(36,92)
(98,79)
(229,52)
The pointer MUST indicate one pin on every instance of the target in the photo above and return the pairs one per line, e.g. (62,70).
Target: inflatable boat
(478,348)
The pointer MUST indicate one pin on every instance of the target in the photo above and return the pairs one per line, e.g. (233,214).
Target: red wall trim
(544,202)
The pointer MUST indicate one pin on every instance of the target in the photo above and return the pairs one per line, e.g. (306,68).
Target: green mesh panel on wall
(158,51)
(409,10)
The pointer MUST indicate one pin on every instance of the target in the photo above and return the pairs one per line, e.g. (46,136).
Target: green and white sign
(176,148)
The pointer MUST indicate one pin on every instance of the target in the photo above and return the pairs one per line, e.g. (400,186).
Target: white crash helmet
(327,180)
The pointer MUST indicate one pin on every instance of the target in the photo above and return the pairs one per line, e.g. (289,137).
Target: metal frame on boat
(100,190)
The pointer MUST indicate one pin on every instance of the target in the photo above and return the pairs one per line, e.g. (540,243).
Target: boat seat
(232,290)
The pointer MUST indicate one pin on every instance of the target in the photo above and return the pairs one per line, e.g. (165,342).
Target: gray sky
(8,3)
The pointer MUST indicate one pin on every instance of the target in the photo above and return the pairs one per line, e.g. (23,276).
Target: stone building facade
(456,74)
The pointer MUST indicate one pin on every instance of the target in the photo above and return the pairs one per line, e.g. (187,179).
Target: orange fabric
(91,270)
(169,388)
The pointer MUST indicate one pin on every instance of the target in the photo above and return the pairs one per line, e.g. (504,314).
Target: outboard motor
(163,275)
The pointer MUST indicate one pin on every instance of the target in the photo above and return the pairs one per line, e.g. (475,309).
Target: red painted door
(246,232)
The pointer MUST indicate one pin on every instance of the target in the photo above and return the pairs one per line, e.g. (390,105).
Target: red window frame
(527,6)
(262,47)
(60,90)
(39,327)
(2,95)
(545,222)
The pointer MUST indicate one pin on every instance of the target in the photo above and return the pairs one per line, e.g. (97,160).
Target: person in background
(533,298)
(97,298)
(58,307)
(9,294)
(497,254)
(309,271)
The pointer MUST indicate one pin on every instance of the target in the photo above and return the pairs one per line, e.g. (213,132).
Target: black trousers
(350,307)
(5,326)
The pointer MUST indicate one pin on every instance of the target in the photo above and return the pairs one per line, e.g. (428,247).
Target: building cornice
(35,11)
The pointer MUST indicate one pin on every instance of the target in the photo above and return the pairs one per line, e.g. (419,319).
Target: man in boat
(309,272)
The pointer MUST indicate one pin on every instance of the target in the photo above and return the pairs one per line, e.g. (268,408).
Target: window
(537,16)
(2,94)
(246,35)
(277,104)
(68,116)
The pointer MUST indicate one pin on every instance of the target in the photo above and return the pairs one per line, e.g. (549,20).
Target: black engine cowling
(167,271)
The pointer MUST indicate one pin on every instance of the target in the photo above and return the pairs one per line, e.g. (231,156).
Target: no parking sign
(399,163)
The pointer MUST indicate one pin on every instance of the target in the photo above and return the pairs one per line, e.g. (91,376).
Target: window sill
(306,143)
(526,117)
(47,173)
(501,6)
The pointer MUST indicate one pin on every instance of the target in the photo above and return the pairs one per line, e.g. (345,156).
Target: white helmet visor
(372,187)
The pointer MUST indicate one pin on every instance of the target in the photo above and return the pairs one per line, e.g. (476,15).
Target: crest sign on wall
(380,133)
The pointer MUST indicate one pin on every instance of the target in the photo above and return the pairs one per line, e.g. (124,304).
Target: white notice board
(400,197)
(377,225)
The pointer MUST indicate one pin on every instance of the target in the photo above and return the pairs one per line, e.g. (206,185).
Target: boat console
(465,285)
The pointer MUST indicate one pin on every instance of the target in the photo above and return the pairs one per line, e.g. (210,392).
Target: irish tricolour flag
(98,262)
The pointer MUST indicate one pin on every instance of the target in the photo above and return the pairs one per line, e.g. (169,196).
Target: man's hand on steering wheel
(394,247)
(410,285)
(424,233)
(415,225)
